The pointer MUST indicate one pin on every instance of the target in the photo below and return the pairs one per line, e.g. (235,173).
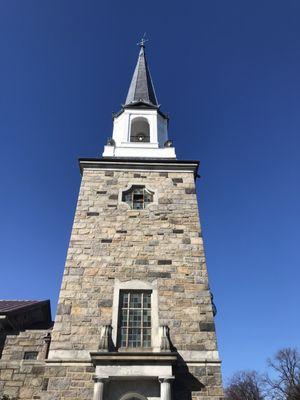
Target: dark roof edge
(136,163)
(10,317)
(140,106)
(28,307)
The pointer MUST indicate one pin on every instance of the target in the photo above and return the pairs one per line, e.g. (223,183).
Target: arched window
(140,130)
(137,197)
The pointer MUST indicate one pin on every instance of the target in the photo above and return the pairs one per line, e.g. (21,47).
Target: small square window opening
(30,355)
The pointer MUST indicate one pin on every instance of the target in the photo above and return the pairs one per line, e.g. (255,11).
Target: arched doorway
(133,396)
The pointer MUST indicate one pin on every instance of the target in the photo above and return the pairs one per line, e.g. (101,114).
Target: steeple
(141,87)
(140,129)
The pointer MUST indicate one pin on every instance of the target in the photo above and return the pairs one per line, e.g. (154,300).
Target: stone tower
(135,318)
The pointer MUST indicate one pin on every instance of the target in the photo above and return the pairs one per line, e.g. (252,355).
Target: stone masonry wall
(163,242)
(110,241)
(201,382)
(17,344)
(35,379)
(30,380)
(21,378)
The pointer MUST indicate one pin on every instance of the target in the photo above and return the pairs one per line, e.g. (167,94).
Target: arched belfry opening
(140,130)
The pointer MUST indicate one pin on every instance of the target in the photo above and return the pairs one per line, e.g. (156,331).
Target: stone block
(153,274)
(190,190)
(105,303)
(207,326)
(109,173)
(63,309)
(177,180)
(165,200)
(141,262)
(178,288)
(106,240)
(178,231)
(59,383)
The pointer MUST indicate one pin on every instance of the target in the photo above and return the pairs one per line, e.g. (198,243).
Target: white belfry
(140,129)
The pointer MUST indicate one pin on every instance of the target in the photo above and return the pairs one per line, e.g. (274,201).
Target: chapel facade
(135,316)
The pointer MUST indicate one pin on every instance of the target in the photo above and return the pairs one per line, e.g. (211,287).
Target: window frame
(139,285)
(127,327)
(137,182)
(134,197)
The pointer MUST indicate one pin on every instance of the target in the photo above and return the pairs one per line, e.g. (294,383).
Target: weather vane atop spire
(142,42)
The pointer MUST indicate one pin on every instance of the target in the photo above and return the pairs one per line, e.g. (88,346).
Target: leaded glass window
(137,197)
(135,319)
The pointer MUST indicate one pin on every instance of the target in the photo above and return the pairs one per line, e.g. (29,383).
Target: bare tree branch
(245,385)
(286,383)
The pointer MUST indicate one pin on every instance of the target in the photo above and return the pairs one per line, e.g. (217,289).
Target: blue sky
(227,72)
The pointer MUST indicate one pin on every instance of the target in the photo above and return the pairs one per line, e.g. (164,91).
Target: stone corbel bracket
(106,343)
(165,344)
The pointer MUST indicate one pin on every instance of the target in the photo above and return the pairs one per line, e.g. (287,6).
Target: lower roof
(23,314)
(7,306)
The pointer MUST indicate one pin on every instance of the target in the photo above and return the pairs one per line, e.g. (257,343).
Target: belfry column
(99,387)
(165,387)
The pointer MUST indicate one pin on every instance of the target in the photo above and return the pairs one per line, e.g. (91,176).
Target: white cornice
(141,165)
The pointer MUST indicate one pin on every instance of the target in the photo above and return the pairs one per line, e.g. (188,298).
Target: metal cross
(143,41)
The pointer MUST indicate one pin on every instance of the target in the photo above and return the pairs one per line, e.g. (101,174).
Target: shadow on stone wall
(2,342)
(185,383)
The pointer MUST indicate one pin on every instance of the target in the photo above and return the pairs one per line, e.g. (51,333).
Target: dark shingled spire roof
(141,88)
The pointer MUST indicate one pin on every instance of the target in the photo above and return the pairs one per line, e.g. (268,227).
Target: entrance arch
(133,396)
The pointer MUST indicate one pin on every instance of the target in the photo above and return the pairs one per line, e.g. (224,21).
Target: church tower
(135,318)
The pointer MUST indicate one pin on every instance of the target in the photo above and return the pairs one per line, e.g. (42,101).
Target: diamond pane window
(137,197)
(135,319)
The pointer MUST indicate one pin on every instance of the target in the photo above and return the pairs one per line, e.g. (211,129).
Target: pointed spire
(141,87)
